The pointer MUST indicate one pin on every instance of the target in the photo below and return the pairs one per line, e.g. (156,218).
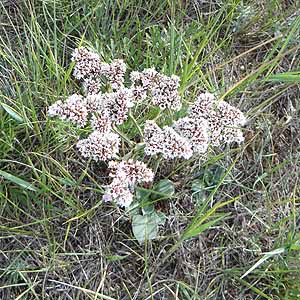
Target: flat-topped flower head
(162,89)
(165,93)
(73,110)
(115,72)
(92,85)
(153,138)
(143,82)
(131,171)
(175,145)
(87,63)
(165,141)
(230,115)
(101,121)
(99,146)
(118,192)
(126,174)
(94,102)
(203,106)
(223,119)
(195,131)
(117,104)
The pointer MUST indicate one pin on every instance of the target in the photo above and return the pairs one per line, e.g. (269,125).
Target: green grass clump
(57,239)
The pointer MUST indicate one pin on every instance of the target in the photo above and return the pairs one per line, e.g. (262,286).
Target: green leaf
(142,195)
(193,231)
(198,189)
(164,188)
(290,77)
(18,181)
(12,113)
(197,186)
(263,259)
(148,209)
(145,227)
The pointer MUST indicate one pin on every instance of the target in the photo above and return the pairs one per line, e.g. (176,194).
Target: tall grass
(52,220)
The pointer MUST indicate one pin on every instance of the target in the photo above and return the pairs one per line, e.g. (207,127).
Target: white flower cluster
(115,73)
(107,103)
(73,110)
(104,110)
(125,175)
(101,122)
(166,141)
(162,89)
(224,120)
(100,146)
(195,131)
(208,122)
(90,69)
(117,104)
(87,63)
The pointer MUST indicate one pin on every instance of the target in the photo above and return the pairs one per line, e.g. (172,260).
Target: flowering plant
(107,103)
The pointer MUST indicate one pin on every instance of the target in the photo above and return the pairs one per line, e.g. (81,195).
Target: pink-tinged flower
(119,192)
(165,93)
(115,72)
(175,145)
(161,88)
(101,121)
(131,171)
(230,115)
(125,175)
(166,141)
(117,105)
(94,102)
(203,106)
(73,110)
(153,138)
(195,131)
(92,85)
(224,120)
(99,146)
(87,63)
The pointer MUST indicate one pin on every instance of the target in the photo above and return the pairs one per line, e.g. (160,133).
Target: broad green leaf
(12,113)
(142,195)
(145,227)
(164,188)
(198,189)
(148,209)
(18,181)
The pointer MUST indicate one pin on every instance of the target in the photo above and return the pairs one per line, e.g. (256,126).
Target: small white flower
(73,110)
(87,63)
(126,174)
(99,146)
(195,131)
(161,88)
(117,104)
(91,85)
(223,119)
(115,73)
(166,141)
(119,192)
(101,121)
(131,171)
